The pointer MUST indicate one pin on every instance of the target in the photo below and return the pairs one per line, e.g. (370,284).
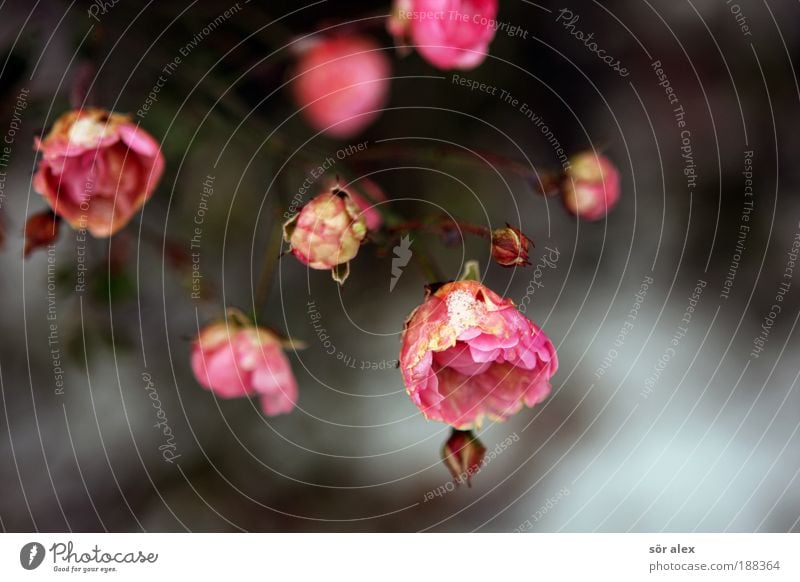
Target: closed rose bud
(341,84)
(40,230)
(468,353)
(97,169)
(327,233)
(591,186)
(510,247)
(449,34)
(463,455)
(234,359)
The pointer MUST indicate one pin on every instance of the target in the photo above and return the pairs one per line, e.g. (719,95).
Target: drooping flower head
(468,353)
(341,83)
(234,359)
(327,232)
(449,34)
(97,169)
(591,186)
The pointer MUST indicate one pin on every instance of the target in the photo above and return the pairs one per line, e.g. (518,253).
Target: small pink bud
(97,170)
(40,230)
(234,358)
(510,247)
(591,186)
(449,34)
(341,84)
(463,455)
(327,233)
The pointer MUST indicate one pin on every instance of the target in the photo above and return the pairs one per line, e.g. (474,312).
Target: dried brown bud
(510,247)
(40,230)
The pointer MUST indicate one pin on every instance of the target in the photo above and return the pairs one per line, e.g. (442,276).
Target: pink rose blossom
(468,353)
(591,187)
(98,169)
(327,233)
(449,34)
(341,84)
(234,360)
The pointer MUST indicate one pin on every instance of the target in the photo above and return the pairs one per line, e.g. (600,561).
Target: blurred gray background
(706,441)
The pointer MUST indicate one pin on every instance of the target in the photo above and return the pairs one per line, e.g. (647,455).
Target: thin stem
(388,150)
(429,268)
(268,264)
(439,226)
(442,225)
(375,21)
(544,183)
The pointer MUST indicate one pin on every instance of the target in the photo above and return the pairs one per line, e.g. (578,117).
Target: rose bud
(98,169)
(510,247)
(41,230)
(233,359)
(468,353)
(591,186)
(449,34)
(341,84)
(463,455)
(327,232)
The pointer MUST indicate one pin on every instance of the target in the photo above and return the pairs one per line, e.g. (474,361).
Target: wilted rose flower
(341,84)
(468,353)
(463,455)
(591,186)
(98,169)
(327,232)
(449,34)
(510,247)
(41,229)
(233,359)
